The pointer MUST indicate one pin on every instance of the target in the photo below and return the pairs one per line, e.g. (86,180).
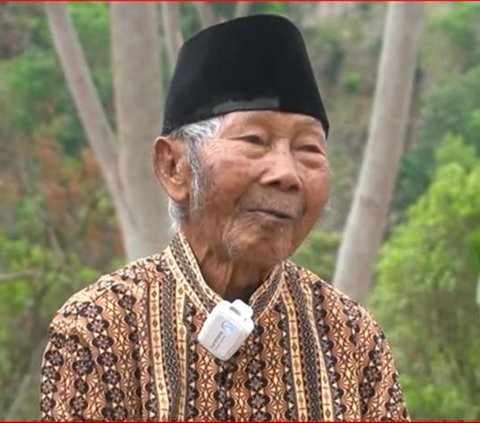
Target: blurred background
(81,98)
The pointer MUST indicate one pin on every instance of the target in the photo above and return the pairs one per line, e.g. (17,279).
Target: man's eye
(253,139)
(310,148)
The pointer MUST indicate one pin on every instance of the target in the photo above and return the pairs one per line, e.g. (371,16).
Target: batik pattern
(126,348)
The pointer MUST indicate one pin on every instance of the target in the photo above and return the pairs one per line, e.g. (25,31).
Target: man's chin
(258,249)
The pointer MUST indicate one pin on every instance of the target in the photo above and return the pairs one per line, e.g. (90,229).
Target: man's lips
(274,213)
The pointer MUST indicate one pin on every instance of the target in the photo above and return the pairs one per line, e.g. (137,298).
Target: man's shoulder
(333,302)
(121,291)
(313,282)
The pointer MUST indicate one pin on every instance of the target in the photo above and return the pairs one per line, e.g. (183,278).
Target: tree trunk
(137,88)
(205,13)
(95,124)
(369,212)
(172,30)
(325,11)
(241,9)
(139,204)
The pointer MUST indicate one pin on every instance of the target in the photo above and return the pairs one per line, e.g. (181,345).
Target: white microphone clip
(226,328)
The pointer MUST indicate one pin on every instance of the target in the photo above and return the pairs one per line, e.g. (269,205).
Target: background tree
(137,199)
(427,289)
(369,211)
(173,32)
(56,222)
(205,13)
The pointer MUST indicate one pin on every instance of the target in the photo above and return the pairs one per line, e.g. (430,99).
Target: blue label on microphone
(228,327)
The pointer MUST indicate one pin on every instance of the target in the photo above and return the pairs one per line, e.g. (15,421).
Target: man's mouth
(274,214)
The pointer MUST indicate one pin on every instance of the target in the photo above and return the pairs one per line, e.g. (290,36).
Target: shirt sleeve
(95,366)
(380,391)
(69,378)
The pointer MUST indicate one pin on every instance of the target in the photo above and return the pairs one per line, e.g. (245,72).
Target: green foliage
(454,149)
(329,40)
(92,24)
(459,29)
(426,289)
(452,108)
(460,23)
(317,253)
(39,99)
(36,279)
(473,249)
(35,79)
(352,83)
(48,249)
(275,7)
(451,65)
(54,206)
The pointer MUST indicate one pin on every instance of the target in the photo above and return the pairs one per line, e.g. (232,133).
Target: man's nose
(281,171)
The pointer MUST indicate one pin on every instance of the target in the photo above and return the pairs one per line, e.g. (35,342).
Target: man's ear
(171,167)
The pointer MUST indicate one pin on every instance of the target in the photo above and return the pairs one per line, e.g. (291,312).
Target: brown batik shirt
(125,348)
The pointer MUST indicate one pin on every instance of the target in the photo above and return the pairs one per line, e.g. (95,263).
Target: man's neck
(230,278)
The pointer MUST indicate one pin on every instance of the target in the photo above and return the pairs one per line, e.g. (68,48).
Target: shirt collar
(190,271)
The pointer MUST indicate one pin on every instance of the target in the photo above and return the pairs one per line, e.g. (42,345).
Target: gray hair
(194,135)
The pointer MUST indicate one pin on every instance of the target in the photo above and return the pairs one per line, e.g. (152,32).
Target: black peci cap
(258,62)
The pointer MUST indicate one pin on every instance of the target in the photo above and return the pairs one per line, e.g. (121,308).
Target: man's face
(265,180)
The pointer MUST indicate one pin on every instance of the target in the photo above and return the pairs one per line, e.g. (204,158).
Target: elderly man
(221,325)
